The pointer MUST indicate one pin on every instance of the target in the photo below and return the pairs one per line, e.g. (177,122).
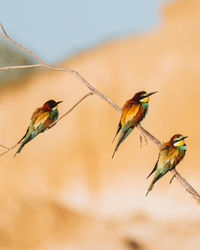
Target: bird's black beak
(184,137)
(151,93)
(59,102)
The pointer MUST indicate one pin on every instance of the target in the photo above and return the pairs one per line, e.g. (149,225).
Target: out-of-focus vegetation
(11,56)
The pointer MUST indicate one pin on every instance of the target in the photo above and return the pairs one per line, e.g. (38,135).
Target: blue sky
(57,29)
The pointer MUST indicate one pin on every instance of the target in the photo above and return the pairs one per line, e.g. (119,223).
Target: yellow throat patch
(179,143)
(145,99)
(56,107)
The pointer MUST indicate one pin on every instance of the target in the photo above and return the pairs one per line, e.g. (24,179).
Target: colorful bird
(171,153)
(41,119)
(133,111)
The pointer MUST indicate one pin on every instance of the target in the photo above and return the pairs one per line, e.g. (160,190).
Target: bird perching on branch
(171,153)
(41,120)
(133,112)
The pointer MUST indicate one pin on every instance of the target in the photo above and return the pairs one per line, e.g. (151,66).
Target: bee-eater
(41,119)
(133,111)
(171,153)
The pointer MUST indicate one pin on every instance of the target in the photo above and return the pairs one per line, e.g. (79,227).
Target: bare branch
(4,146)
(70,110)
(9,149)
(172,179)
(3,29)
(149,135)
(179,178)
(5,35)
(186,185)
(22,67)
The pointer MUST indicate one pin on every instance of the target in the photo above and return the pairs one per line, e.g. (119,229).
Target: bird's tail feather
(24,136)
(119,127)
(23,143)
(121,139)
(114,137)
(150,188)
(154,169)
(156,178)
(20,148)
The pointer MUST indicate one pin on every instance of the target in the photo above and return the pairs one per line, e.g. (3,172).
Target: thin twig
(73,107)
(8,149)
(179,178)
(5,35)
(3,30)
(149,135)
(22,67)
(4,146)
(172,179)
(186,185)
(141,140)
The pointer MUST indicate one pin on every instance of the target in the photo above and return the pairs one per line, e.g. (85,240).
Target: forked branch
(93,90)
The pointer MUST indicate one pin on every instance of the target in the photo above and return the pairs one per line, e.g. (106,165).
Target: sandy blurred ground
(64,191)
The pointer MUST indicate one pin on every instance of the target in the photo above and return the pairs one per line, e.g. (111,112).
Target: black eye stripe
(177,140)
(142,97)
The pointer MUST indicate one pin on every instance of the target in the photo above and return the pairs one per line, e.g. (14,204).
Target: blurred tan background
(64,191)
